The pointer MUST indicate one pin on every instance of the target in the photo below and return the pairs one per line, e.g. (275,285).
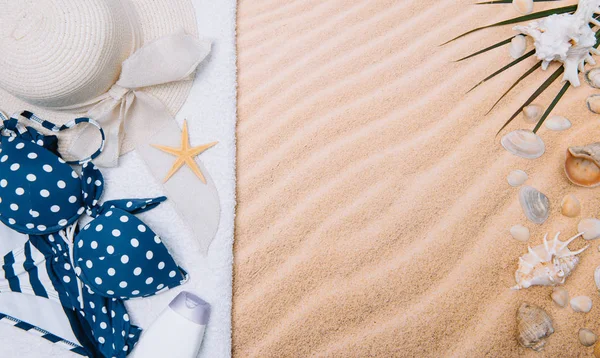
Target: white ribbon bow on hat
(126,109)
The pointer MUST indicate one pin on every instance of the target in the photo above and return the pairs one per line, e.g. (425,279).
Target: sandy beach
(373,208)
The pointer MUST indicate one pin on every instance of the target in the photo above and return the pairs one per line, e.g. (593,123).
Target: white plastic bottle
(178,331)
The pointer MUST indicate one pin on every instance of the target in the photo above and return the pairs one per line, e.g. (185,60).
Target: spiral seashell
(582,165)
(524,143)
(535,204)
(534,326)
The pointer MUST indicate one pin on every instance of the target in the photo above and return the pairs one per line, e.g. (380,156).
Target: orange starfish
(185,154)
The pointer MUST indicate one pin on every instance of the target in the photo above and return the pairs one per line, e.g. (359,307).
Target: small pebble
(587,337)
(570,206)
(581,304)
(516,178)
(560,296)
(590,228)
(520,233)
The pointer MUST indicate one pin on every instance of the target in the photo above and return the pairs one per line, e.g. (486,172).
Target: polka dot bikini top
(116,254)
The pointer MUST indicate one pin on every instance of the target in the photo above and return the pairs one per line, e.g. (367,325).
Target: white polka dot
(135,242)
(55,208)
(103,325)
(99,227)
(94,245)
(89,264)
(142,228)
(125,348)
(63,222)
(98,183)
(80,244)
(104,310)
(30,226)
(67,266)
(44,193)
(135,292)
(20,191)
(129,204)
(14,207)
(67,279)
(124,219)
(112,314)
(3,183)
(89,180)
(126,317)
(137,271)
(124,259)
(161,265)
(47,168)
(31,177)
(98,281)
(72,199)
(34,213)
(41,227)
(4,158)
(116,233)
(110,249)
(172,274)
(92,305)
(61,184)
(111,271)
(149,280)
(157,239)
(15,167)
(20,146)
(80,210)
(123,284)
(74,175)
(101,340)
(149,255)
(78,271)
(109,213)
(32,155)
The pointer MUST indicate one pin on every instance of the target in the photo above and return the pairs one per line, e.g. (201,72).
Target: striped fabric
(38,332)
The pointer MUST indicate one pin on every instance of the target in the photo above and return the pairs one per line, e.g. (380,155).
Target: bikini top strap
(54,128)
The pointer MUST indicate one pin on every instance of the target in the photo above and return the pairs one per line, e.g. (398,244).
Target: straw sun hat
(58,56)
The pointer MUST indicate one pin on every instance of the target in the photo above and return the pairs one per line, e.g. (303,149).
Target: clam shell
(593,103)
(523,6)
(536,205)
(592,77)
(590,228)
(518,45)
(534,325)
(524,143)
(582,165)
(587,337)
(520,233)
(558,123)
(581,304)
(516,177)
(560,296)
(570,206)
(533,113)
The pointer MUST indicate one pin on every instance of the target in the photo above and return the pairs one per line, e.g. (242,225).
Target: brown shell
(534,325)
(582,165)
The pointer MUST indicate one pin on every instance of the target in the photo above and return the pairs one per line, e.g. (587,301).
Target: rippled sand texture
(373,209)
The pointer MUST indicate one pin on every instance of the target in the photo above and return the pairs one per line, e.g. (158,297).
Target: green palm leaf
(501,43)
(530,71)
(525,56)
(532,16)
(562,91)
(507,2)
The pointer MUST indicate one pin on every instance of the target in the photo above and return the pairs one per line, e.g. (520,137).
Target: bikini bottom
(40,293)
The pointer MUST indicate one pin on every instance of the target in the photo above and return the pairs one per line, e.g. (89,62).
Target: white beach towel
(211,114)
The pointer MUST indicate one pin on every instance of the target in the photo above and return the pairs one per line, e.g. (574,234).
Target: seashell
(560,296)
(597,278)
(523,6)
(536,205)
(582,165)
(587,337)
(534,325)
(520,233)
(581,304)
(590,228)
(570,207)
(558,123)
(518,45)
(524,143)
(597,350)
(593,103)
(592,77)
(533,113)
(547,264)
(517,177)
